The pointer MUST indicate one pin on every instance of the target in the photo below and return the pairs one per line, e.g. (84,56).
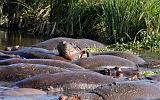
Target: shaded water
(18,38)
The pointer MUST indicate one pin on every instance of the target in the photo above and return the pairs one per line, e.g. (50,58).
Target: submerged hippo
(50,62)
(20,92)
(119,91)
(82,43)
(32,52)
(4,56)
(17,72)
(104,61)
(117,72)
(129,56)
(65,81)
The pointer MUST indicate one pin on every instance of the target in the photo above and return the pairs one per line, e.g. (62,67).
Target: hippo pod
(50,62)
(120,91)
(82,43)
(17,72)
(104,61)
(65,81)
(129,56)
(4,91)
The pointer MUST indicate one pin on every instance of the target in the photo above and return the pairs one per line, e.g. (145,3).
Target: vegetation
(148,73)
(125,23)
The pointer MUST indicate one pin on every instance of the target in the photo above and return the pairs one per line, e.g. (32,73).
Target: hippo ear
(78,49)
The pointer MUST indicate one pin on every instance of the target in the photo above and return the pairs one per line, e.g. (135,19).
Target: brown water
(16,38)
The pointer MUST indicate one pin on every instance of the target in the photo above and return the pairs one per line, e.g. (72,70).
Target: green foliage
(125,23)
(121,19)
(148,73)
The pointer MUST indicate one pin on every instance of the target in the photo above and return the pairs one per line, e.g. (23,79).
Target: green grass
(109,21)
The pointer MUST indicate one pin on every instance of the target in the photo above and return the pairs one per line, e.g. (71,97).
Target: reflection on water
(16,38)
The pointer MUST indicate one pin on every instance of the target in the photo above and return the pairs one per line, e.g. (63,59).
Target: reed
(108,21)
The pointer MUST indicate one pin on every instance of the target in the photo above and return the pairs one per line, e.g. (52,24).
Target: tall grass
(121,19)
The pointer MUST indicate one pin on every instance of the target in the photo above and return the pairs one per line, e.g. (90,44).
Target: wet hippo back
(17,72)
(104,61)
(82,43)
(50,62)
(32,52)
(132,57)
(66,81)
(128,90)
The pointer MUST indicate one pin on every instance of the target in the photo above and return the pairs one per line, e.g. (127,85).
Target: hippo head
(70,51)
(73,97)
(13,48)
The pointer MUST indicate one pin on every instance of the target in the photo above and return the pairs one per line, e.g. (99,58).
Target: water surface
(16,38)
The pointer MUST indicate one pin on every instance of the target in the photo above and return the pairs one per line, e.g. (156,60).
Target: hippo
(70,51)
(50,62)
(67,51)
(129,56)
(66,81)
(125,90)
(4,56)
(32,52)
(51,44)
(5,91)
(104,61)
(17,72)
(130,74)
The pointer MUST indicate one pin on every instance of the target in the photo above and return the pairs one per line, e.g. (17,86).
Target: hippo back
(104,61)
(128,90)
(66,81)
(132,57)
(51,44)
